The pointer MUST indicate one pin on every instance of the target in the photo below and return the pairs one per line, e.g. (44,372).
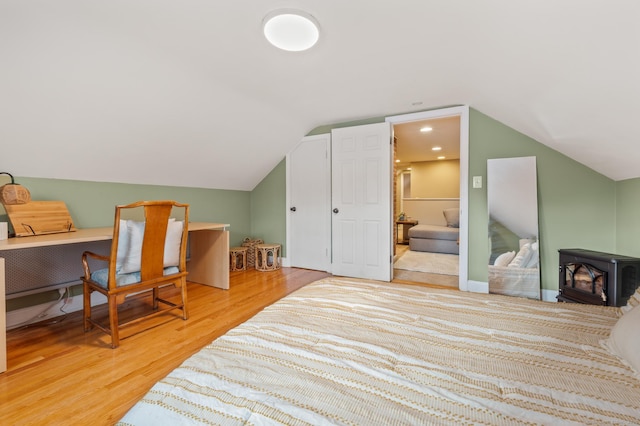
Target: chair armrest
(85,263)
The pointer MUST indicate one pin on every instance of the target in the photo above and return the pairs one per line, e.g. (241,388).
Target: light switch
(477,181)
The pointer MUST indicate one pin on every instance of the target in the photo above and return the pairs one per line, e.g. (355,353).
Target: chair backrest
(149,236)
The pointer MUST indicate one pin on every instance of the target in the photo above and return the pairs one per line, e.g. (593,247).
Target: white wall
(428,211)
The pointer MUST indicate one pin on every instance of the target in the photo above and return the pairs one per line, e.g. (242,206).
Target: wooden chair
(146,253)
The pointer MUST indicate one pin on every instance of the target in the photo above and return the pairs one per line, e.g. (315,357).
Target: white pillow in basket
(522,258)
(505,258)
(534,258)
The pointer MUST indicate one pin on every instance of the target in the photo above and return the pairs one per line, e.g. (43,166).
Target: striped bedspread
(345,351)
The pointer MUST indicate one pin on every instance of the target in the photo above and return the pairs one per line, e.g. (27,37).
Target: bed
(347,351)
(434,239)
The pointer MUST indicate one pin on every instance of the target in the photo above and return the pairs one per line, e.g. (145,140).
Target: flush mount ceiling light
(291,30)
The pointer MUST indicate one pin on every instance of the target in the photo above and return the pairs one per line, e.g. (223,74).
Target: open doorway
(429,193)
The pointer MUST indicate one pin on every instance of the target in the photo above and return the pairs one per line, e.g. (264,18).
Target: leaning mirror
(512,196)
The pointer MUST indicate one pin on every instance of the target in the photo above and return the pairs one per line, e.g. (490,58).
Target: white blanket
(342,351)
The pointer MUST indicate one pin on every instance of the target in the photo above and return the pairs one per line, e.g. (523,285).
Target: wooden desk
(208,262)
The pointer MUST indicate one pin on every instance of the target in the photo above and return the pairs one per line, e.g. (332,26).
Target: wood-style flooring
(59,375)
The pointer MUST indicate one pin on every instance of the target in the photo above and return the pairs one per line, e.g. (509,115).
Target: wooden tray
(39,217)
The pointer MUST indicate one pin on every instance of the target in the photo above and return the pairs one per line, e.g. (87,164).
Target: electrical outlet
(477,181)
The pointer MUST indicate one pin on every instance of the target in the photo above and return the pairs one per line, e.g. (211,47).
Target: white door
(309,204)
(361,201)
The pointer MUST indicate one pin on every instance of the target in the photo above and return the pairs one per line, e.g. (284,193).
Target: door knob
(293,209)
(336,210)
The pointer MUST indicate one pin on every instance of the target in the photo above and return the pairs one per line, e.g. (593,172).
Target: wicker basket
(251,253)
(13,193)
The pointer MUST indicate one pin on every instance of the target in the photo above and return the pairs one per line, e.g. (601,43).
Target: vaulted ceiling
(189,92)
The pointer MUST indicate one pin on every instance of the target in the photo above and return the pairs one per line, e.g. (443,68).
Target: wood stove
(597,278)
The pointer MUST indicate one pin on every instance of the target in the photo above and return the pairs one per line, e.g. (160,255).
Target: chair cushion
(101,276)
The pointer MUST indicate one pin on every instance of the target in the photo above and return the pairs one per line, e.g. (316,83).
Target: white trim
(478,287)
(50,310)
(549,295)
(432,199)
(483,287)
(463,112)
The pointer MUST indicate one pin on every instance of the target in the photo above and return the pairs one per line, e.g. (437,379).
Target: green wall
(576,205)
(628,217)
(92,204)
(268,208)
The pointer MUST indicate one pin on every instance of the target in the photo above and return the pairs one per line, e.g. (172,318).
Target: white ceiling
(413,145)
(188,92)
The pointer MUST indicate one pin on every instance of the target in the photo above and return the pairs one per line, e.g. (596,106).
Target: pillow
(633,301)
(505,258)
(172,243)
(133,256)
(452,216)
(123,244)
(135,233)
(534,258)
(624,340)
(522,258)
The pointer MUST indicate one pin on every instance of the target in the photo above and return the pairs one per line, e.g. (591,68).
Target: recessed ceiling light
(442,157)
(291,30)
(426,129)
(397,161)
(436,148)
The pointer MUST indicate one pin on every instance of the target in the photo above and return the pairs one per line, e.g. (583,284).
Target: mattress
(346,351)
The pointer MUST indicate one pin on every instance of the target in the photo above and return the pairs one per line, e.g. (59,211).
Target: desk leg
(3,321)
(209,258)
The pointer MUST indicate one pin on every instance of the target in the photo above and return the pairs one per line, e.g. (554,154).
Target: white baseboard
(549,295)
(45,311)
(477,286)
(482,287)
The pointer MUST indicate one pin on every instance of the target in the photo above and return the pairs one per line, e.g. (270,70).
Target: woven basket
(13,193)
(251,253)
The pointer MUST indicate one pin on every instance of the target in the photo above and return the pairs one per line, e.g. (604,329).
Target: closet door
(361,201)
(309,204)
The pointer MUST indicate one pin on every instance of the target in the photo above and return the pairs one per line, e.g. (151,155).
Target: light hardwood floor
(59,375)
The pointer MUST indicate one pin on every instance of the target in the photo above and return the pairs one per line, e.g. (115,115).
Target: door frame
(463,112)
